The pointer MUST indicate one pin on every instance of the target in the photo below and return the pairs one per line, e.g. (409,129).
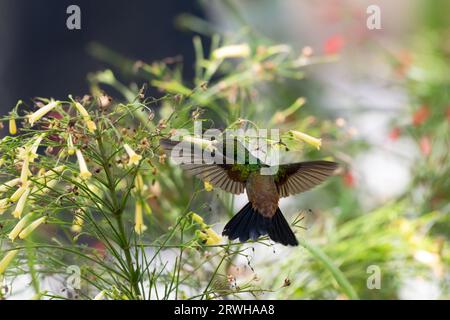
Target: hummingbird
(261,215)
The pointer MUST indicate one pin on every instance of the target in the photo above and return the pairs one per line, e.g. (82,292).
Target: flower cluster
(206,234)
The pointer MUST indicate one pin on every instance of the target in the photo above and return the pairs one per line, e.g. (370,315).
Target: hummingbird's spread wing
(300,177)
(220,176)
(222,173)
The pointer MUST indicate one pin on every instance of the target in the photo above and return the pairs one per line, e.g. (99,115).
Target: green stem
(117,212)
(133,276)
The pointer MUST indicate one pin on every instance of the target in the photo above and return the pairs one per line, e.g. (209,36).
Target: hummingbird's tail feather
(280,230)
(248,223)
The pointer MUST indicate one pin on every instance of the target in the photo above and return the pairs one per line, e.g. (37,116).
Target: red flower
(334,44)
(425,145)
(404,60)
(349,179)
(100,248)
(421,115)
(395,133)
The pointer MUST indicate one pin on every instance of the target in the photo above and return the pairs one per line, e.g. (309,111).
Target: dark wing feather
(222,176)
(300,177)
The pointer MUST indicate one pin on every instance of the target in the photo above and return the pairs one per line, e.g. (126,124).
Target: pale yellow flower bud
(28,230)
(32,118)
(17,213)
(86,117)
(139,183)
(197,218)
(35,146)
(23,153)
(300,136)
(84,171)
(19,227)
(134,157)
(70,148)
(213,237)
(4,204)
(209,236)
(25,170)
(12,126)
(4,263)
(91,126)
(139,225)
(16,195)
(201,143)
(82,110)
(9,184)
(232,51)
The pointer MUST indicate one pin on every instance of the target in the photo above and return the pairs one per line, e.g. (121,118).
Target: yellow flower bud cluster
(206,234)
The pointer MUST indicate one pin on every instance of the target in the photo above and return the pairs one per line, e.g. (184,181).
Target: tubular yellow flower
(22,153)
(25,170)
(17,213)
(84,172)
(139,183)
(208,186)
(91,126)
(4,263)
(4,204)
(70,148)
(202,235)
(32,118)
(28,154)
(16,195)
(86,117)
(19,227)
(232,51)
(8,185)
(28,230)
(134,157)
(208,236)
(82,110)
(202,143)
(213,237)
(139,225)
(300,136)
(198,219)
(12,126)
(35,146)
